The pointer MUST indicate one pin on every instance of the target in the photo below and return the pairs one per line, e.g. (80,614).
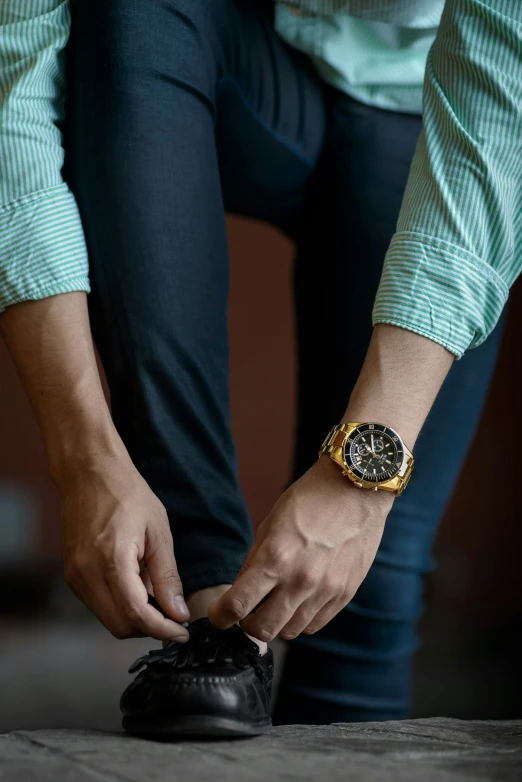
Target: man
(173,108)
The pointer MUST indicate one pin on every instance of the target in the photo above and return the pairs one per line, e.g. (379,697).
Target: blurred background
(59,668)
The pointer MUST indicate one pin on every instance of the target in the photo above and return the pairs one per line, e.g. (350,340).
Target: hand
(112,524)
(310,555)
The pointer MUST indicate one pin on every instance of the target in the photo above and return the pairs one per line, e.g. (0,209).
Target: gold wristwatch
(373,456)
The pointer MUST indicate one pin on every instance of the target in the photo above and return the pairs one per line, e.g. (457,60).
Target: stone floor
(432,750)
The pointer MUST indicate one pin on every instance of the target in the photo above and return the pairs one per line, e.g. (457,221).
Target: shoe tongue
(198,630)
(202,628)
(203,623)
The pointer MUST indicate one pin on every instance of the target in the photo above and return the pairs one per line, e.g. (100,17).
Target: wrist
(333,481)
(374,400)
(399,381)
(83,445)
(373,411)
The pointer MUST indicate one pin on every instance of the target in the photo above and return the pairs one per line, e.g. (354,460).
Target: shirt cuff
(42,247)
(439,290)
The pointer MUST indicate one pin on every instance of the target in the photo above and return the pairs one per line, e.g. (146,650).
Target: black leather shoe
(215,684)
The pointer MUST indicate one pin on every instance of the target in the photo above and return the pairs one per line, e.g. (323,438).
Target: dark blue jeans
(178,111)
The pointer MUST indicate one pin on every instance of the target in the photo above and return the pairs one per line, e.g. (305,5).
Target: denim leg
(178,109)
(358,667)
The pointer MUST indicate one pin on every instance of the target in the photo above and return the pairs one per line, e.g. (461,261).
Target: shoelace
(206,646)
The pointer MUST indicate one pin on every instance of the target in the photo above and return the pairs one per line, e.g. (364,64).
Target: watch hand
(373,448)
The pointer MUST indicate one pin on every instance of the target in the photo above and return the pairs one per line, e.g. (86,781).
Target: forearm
(51,345)
(400,378)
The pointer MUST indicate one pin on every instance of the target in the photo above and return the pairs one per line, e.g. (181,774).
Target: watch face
(374,453)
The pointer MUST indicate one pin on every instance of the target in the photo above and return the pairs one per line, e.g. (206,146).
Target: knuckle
(346,595)
(236,608)
(164,537)
(113,560)
(305,579)
(133,611)
(333,588)
(245,567)
(161,512)
(108,555)
(277,562)
(120,632)
(169,577)
(70,577)
(271,572)
(100,544)
(161,537)
(74,567)
(264,634)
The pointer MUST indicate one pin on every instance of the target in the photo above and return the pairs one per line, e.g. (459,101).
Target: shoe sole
(195,725)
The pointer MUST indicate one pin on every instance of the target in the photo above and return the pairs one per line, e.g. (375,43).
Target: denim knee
(140,45)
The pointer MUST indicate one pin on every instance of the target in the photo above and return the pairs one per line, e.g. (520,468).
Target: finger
(144,575)
(98,599)
(129,593)
(244,595)
(325,615)
(164,576)
(303,617)
(274,614)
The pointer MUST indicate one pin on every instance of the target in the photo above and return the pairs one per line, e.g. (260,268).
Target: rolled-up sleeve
(42,246)
(458,246)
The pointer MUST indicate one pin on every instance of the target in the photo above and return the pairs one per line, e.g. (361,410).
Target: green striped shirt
(458,245)
(42,247)
(374,60)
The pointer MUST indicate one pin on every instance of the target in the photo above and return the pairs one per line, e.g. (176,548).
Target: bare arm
(400,378)
(316,546)
(51,345)
(112,523)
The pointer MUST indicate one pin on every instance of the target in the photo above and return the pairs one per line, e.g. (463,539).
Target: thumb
(164,576)
(216,610)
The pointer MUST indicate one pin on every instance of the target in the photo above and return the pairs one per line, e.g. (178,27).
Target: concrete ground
(409,751)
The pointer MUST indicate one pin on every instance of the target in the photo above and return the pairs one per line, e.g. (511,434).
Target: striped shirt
(406,13)
(458,246)
(378,63)
(42,247)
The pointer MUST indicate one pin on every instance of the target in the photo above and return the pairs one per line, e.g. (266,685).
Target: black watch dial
(374,453)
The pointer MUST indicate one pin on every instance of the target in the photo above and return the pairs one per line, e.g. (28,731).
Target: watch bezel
(358,475)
